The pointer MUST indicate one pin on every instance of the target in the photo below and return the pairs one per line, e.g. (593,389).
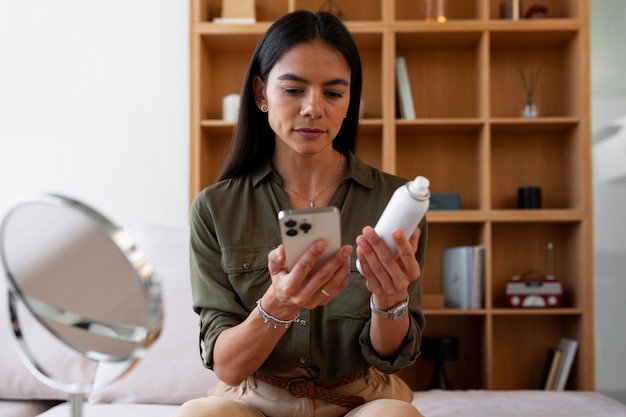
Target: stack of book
(559,365)
(463,269)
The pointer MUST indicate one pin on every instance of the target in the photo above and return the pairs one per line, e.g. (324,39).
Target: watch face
(400,311)
(393,313)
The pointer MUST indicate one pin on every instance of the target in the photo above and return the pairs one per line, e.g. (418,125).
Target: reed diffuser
(530,83)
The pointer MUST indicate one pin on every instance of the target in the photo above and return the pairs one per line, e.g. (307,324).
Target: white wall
(94,105)
(608,69)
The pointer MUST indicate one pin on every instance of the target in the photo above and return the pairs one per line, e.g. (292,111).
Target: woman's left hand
(387,275)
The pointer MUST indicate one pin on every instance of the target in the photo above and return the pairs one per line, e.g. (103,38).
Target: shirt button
(303,360)
(302,323)
(246,265)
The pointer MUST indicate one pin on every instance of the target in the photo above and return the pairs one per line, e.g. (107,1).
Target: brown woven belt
(319,389)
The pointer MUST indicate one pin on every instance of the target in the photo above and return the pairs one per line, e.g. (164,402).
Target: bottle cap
(419,187)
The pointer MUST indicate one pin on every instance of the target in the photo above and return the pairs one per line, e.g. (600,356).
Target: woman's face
(307,94)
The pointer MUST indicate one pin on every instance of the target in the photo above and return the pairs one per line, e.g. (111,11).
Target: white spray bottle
(405,210)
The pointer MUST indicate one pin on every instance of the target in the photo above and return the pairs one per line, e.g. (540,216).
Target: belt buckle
(293,389)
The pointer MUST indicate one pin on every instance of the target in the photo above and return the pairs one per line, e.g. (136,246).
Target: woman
(287,343)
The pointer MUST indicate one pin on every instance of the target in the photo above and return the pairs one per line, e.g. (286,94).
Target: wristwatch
(394,313)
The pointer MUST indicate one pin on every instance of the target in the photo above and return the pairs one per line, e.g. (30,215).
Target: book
(403,87)
(546,369)
(462,272)
(554,365)
(569,348)
(476,281)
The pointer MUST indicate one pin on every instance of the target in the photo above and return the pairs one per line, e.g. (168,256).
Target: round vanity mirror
(83,279)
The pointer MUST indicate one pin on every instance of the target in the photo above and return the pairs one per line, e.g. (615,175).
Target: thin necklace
(313,199)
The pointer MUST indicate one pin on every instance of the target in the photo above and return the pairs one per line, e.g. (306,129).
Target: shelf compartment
(208,154)
(557,9)
(266,11)
(214,145)
(518,248)
(225,58)
(369,146)
(553,53)
(440,237)
(444,72)
(453,9)
(533,157)
(466,372)
(370,49)
(347,10)
(222,67)
(432,151)
(521,345)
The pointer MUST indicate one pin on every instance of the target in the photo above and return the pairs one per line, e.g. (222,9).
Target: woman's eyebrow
(293,77)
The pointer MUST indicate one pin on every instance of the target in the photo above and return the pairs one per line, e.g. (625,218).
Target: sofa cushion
(9,408)
(171,371)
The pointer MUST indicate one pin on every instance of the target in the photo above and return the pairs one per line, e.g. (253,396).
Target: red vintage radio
(535,290)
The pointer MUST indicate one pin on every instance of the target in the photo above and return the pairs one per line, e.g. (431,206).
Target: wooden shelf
(537,311)
(504,312)
(468,137)
(511,216)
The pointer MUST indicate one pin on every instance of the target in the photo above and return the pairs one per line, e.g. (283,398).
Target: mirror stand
(76,402)
(76,391)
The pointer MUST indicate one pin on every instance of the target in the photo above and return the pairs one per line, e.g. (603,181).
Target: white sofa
(172,371)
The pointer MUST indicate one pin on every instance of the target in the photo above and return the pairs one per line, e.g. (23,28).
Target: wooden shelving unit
(468,137)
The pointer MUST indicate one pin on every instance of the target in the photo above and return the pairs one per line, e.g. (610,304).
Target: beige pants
(386,395)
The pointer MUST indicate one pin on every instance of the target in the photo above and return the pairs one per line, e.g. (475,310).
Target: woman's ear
(259,91)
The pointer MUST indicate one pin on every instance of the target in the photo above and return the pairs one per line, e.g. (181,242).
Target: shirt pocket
(248,274)
(353,302)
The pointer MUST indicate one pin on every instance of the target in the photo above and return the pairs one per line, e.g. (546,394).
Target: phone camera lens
(290,223)
(291,232)
(305,227)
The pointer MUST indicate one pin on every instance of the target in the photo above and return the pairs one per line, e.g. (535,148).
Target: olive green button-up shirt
(233,228)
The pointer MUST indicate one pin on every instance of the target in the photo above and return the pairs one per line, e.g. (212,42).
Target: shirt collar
(357,171)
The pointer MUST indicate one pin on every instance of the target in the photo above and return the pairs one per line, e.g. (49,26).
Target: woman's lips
(310,132)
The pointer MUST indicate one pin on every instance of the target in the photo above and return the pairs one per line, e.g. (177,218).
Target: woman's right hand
(299,288)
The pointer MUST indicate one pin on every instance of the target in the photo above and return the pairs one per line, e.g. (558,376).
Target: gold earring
(264,108)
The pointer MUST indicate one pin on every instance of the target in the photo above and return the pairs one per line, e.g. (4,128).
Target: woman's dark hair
(253,139)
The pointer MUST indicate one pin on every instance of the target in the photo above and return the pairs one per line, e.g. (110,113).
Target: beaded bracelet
(271,319)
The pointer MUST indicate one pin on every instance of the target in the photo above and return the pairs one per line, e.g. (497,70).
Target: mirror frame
(142,270)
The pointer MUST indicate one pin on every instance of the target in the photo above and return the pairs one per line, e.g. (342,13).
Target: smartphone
(301,227)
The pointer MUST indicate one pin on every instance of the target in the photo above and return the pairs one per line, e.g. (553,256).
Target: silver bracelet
(271,319)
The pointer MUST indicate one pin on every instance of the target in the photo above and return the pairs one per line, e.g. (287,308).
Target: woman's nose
(312,106)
